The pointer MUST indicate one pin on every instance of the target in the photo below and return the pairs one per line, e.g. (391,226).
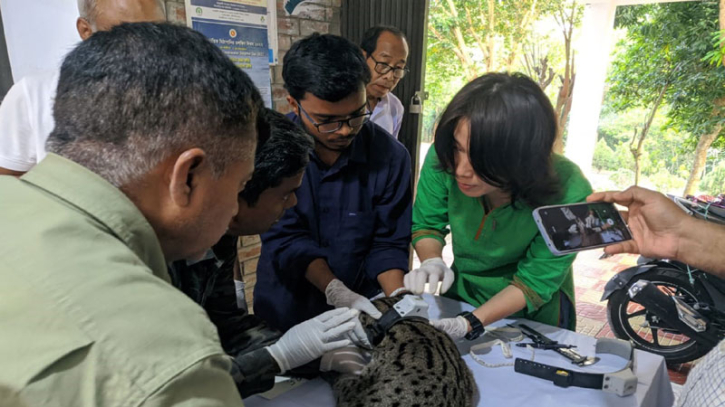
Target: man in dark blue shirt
(281,157)
(349,235)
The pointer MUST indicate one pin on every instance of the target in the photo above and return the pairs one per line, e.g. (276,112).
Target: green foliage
(713,183)
(604,158)
(612,159)
(667,43)
(716,56)
(672,46)
(665,147)
(662,180)
(622,176)
(616,127)
(511,32)
(666,160)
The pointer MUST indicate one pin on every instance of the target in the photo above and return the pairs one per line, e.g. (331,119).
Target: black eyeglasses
(382,68)
(332,126)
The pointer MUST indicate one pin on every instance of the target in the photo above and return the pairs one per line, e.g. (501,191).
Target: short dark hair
(327,66)
(513,127)
(283,151)
(130,97)
(369,40)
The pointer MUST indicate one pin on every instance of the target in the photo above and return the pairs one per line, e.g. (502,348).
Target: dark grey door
(411,16)
(6,75)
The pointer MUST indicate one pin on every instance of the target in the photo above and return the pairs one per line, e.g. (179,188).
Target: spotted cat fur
(415,365)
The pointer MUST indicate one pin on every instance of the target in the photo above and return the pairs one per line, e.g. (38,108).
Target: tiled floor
(590,276)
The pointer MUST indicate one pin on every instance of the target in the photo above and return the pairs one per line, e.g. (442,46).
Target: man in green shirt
(133,180)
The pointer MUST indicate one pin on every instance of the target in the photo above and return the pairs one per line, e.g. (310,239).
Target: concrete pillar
(593,51)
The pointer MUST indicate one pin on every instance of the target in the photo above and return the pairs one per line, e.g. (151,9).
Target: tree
(640,76)
(663,61)
(568,16)
(700,105)
(486,36)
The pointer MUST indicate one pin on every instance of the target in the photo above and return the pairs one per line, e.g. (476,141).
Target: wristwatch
(477,328)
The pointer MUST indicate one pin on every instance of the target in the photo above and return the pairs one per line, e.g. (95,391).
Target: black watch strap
(477,328)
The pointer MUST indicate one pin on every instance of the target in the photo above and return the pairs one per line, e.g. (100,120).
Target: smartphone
(582,226)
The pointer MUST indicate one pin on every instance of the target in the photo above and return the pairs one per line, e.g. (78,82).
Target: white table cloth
(504,387)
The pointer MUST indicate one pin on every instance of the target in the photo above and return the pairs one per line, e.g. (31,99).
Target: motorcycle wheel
(630,321)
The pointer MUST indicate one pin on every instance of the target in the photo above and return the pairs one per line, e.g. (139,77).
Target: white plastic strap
(505,349)
(498,336)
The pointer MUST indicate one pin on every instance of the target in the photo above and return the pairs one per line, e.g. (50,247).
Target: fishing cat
(415,365)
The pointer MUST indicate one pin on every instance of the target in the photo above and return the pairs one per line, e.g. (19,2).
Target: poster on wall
(239,29)
(272,32)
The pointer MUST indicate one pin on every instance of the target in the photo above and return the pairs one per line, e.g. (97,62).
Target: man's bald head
(102,15)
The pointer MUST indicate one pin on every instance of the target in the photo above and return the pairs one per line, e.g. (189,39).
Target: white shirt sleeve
(398,110)
(705,386)
(26,121)
(17,149)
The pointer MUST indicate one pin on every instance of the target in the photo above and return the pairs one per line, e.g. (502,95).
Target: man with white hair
(26,113)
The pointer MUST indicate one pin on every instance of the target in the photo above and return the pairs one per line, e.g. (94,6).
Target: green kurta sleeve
(430,211)
(541,274)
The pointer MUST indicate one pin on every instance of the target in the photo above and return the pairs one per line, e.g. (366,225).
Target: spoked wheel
(629,320)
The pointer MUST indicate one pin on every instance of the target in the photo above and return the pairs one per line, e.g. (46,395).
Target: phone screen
(582,226)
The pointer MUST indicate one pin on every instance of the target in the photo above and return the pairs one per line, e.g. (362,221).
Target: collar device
(411,307)
(622,382)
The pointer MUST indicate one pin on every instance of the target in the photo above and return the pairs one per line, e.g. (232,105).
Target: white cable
(488,345)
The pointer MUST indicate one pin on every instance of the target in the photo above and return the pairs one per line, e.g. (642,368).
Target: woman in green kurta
(491,165)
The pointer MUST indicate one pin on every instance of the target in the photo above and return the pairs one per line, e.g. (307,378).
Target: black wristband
(477,328)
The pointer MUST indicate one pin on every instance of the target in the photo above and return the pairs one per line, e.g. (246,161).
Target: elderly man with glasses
(348,237)
(386,53)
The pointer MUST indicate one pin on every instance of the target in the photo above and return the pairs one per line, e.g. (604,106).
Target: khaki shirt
(87,314)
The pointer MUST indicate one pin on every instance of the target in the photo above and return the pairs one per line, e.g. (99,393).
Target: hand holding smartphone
(575,227)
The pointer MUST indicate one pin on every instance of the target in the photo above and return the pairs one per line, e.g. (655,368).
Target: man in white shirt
(26,113)
(386,52)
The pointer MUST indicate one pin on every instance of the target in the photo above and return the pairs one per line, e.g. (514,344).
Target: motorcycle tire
(676,283)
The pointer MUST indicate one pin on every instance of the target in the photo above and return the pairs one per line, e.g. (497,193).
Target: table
(504,387)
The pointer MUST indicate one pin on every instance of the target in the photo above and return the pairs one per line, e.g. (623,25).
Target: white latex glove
(358,336)
(340,296)
(311,339)
(431,271)
(456,327)
(349,359)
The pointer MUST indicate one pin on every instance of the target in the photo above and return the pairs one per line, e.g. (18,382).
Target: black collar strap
(622,382)
(377,331)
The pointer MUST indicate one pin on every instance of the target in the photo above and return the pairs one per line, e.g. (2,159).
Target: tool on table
(622,382)
(546,345)
(539,338)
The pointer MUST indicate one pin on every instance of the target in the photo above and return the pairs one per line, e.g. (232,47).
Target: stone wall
(249,249)
(307,17)
(175,12)
(311,16)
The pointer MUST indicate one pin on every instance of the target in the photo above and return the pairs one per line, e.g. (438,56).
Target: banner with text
(239,29)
